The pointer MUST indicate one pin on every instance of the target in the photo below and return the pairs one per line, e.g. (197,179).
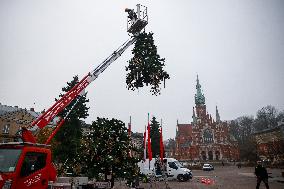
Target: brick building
(12,118)
(270,143)
(204,138)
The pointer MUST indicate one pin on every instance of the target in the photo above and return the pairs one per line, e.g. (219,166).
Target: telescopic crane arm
(78,89)
(134,26)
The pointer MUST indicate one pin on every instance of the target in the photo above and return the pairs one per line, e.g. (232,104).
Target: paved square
(227,177)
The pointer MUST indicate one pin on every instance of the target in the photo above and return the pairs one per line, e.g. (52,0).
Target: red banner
(149,142)
(161,145)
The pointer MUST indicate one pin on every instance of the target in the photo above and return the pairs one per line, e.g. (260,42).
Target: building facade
(204,138)
(13,118)
(270,143)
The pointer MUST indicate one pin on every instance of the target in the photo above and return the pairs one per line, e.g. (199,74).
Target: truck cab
(26,166)
(176,170)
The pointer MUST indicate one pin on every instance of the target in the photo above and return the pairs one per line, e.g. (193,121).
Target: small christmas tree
(155,137)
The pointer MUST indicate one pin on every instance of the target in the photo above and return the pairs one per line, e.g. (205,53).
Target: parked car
(184,164)
(207,167)
(194,164)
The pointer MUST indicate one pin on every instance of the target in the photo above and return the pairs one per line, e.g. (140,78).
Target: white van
(174,169)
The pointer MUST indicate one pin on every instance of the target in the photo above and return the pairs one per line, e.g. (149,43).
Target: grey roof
(4,110)
(279,127)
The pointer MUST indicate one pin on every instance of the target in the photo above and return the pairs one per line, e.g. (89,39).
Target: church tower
(194,120)
(217,116)
(204,139)
(199,101)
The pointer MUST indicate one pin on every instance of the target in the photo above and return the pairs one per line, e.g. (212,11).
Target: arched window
(203,155)
(207,136)
(6,129)
(217,155)
(210,155)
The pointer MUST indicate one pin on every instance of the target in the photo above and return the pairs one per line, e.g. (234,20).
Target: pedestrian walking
(239,165)
(261,174)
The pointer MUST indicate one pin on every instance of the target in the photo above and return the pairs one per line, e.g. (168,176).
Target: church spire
(177,129)
(199,97)
(217,115)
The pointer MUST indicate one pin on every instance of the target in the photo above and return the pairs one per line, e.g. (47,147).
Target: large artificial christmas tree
(146,66)
(68,138)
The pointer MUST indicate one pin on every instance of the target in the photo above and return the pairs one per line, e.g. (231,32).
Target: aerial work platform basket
(136,21)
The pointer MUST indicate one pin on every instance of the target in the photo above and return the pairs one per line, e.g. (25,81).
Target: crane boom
(68,97)
(135,23)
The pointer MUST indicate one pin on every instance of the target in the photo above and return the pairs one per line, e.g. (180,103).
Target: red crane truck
(27,164)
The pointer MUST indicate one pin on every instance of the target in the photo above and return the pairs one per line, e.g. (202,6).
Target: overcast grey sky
(235,46)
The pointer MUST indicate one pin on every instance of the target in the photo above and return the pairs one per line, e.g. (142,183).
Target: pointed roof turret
(199,97)
(217,115)
(177,130)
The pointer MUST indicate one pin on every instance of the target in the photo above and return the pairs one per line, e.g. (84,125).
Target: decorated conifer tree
(146,66)
(67,139)
(155,137)
(106,150)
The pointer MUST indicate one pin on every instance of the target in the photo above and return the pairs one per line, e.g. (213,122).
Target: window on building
(207,136)
(6,129)
(5,140)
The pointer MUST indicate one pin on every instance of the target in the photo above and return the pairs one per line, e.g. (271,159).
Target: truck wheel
(182,178)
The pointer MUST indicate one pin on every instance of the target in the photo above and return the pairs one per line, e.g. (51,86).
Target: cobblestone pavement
(227,177)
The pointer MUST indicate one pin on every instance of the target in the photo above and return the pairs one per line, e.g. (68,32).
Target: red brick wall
(219,143)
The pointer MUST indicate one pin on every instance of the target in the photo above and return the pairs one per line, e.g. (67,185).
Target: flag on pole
(144,144)
(161,145)
(129,127)
(129,135)
(149,141)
